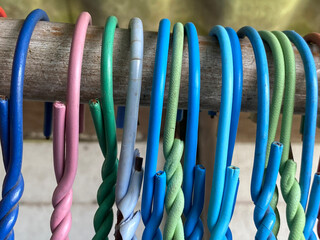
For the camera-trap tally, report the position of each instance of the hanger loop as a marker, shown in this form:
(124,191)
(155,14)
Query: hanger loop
(224,179)
(290,189)
(130,172)
(154,184)
(262,191)
(278,88)
(104,121)
(314,198)
(310,113)
(193,175)
(66,135)
(173,148)
(13,183)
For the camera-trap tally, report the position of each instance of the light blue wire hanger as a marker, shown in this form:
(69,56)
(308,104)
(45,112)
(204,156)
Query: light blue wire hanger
(130,173)
(193,175)
(154,184)
(225,180)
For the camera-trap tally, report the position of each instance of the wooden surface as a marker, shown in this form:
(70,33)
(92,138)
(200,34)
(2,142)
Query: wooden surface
(47,65)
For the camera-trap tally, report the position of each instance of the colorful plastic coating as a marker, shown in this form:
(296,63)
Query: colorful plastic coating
(310,113)
(257,183)
(193,175)
(130,173)
(315,38)
(219,213)
(13,183)
(264,216)
(277,95)
(289,185)
(66,135)
(102,112)
(236,100)
(173,147)
(263,109)
(154,184)
(237,90)
(313,208)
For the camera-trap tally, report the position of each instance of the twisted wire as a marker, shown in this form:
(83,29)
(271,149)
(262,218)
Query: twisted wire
(66,135)
(173,148)
(12,129)
(60,222)
(264,216)
(103,217)
(277,96)
(289,185)
(128,220)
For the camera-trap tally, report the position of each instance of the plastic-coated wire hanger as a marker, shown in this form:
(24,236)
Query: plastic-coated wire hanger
(310,113)
(193,175)
(314,198)
(225,180)
(308,135)
(102,112)
(13,118)
(130,172)
(173,148)
(290,189)
(154,184)
(277,96)
(66,135)
(315,38)
(262,191)
(237,90)
(236,101)
(2,12)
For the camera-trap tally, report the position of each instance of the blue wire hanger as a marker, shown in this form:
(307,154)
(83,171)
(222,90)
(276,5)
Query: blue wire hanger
(12,120)
(225,180)
(154,184)
(130,173)
(193,175)
(262,191)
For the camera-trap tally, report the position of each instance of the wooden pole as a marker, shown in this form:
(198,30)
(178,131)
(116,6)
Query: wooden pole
(48,57)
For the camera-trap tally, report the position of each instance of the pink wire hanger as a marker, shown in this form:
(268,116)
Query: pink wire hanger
(66,135)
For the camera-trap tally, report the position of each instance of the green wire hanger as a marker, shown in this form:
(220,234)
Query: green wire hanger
(104,121)
(173,148)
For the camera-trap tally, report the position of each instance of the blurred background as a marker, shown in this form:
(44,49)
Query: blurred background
(36,208)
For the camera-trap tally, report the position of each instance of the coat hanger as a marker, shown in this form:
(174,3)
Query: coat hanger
(193,175)
(173,147)
(13,183)
(310,114)
(314,38)
(225,180)
(311,75)
(290,189)
(236,102)
(262,191)
(66,135)
(278,88)
(154,184)
(102,112)
(130,172)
